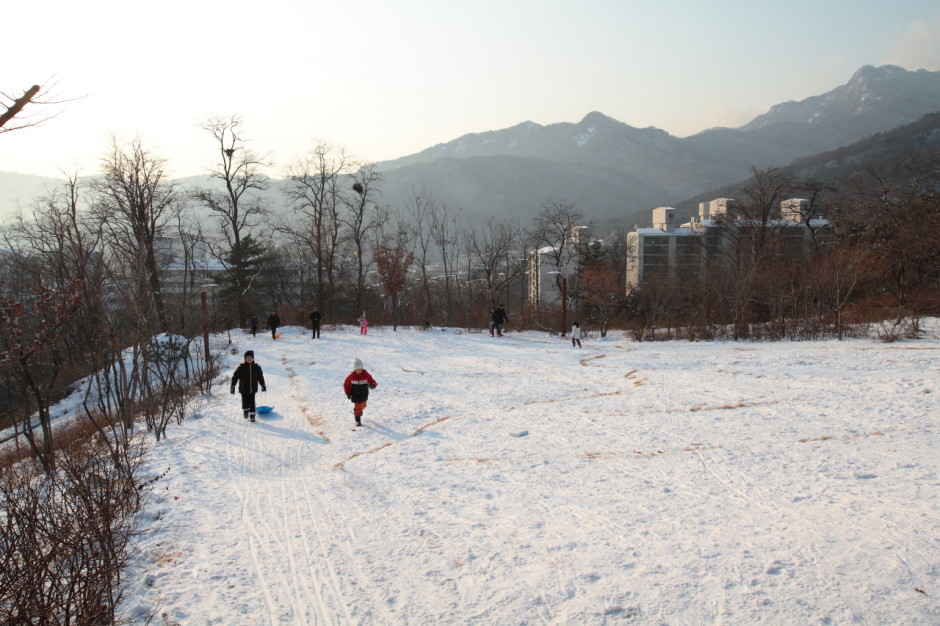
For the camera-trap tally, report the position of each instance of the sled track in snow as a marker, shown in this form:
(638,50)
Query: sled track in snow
(293,572)
(339,555)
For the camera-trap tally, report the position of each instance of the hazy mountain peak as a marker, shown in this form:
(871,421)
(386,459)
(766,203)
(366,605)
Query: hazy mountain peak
(870,72)
(596,117)
(889,95)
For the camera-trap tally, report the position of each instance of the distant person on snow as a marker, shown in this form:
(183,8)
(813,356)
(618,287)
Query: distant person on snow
(492,321)
(363,324)
(357,386)
(315,324)
(500,319)
(248,376)
(576,335)
(254,325)
(273,322)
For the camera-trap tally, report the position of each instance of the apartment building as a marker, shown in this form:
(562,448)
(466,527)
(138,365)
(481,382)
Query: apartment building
(670,249)
(548,265)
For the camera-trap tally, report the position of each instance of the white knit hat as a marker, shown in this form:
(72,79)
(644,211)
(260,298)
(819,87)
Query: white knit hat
(357,365)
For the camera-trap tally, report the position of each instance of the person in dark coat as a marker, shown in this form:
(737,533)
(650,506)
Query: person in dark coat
(315,324)
(248,377)
(273,322)
(357,386)
(500,318)
(254,325)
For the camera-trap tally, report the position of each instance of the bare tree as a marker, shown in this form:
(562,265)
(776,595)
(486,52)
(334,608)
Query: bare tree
(748,251)
(314,194)
(497,259)
(760,206)
(193,263)
(424,209)
(818,195)
(361,217)
(41,102)
(57,245)
(66,537)
(655,302)
(448,241)
(54,243)
(393,257)
(838,273)
(137,206)
(30,340)
(554,230)
(237,207)
(11,107)
(618,249)
(898,218)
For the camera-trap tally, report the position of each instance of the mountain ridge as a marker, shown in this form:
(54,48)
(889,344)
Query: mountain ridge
(609,168)
(671,169)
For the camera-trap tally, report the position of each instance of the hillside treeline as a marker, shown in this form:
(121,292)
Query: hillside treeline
(116,280)
(873,257)
(150,257)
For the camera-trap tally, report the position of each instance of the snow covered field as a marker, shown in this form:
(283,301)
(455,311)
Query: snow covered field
(676,483)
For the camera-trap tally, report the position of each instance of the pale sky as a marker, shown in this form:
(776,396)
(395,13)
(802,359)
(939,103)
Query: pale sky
(386,79)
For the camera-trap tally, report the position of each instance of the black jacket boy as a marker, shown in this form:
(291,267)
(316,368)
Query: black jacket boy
(248,377)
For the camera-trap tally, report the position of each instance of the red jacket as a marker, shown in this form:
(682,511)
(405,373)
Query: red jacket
(357,386)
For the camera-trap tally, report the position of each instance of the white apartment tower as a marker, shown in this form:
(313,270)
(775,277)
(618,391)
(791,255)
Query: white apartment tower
(668,249)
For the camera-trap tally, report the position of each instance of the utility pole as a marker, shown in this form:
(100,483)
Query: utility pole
(564,305)
(205,324)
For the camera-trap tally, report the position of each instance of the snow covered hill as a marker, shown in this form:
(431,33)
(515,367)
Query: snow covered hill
(652,483)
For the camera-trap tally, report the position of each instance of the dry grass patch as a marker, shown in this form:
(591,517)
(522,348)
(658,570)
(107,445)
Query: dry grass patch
(316,420)
(726,407)
(701,446)
(823,438)
(358,454)
(168,556)
(385,445)
(67,434)
(567,399)
(601,455)
(903,348)
(632,375)
(874,433)
(649,454)
(429,424)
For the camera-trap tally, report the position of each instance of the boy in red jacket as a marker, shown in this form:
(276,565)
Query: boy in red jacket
(357,386)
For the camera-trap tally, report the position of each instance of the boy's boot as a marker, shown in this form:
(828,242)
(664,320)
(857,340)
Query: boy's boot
(245,415)
(251,417)
(358,420)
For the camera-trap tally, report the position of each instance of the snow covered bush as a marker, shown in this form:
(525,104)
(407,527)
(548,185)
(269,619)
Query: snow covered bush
(64,535)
